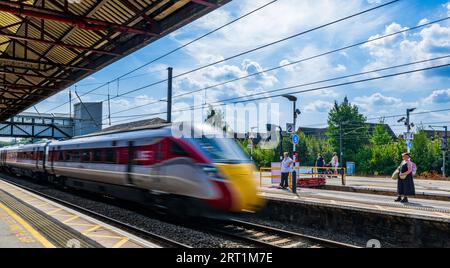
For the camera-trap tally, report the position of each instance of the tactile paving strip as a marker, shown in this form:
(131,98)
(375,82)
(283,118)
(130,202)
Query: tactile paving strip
(58,234)
(106,235)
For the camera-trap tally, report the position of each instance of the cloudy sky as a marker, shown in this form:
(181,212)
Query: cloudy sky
(428,91)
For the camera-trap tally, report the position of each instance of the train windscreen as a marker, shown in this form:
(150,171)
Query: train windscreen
(221,150)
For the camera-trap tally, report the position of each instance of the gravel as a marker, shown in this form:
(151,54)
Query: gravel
(190,236)
(187,236)
(310,231)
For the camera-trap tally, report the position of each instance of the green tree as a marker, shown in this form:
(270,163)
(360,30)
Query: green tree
(345,119)
(380,136)
(315,146)
(425,153)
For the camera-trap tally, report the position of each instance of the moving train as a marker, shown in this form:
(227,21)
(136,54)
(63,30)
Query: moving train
(193,176)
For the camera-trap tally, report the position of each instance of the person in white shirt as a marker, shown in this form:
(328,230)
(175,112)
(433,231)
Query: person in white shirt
(286,168)
(335,163)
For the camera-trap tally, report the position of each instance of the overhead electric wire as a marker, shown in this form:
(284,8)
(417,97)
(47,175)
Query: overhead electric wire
(289,64)
(249,51)
(308,90)
(306,84)
(177,49)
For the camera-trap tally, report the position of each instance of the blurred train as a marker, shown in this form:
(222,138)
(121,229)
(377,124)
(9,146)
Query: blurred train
(193,176)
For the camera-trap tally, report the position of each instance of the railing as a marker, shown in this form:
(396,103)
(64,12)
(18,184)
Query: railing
(306,172)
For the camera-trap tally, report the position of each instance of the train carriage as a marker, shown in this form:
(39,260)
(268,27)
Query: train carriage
(148,165)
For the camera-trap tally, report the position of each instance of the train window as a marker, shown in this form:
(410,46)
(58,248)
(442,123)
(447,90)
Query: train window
(65,156)
(110,156)
(85,156)
(58,155)
(76,156)
(175,149)
(97,156)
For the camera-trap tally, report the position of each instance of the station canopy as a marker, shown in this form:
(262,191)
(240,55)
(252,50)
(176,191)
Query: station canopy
(48,45)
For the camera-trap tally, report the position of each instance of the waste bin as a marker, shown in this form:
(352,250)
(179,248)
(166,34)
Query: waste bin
(351,168)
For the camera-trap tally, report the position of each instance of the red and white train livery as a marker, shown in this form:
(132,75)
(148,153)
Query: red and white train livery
(190,175)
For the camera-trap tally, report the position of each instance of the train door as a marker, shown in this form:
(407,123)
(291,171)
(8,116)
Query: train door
(36,157)
(159,171)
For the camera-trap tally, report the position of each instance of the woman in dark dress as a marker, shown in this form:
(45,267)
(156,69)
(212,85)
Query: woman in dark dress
(405,187)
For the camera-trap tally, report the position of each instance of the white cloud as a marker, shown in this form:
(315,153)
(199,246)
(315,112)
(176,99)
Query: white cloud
(439,97)
(340,68)
(448,8)
(423,21)
(376,102)
(319,106)
(376,47)
(431,42)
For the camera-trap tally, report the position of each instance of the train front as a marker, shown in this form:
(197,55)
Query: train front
(231,171)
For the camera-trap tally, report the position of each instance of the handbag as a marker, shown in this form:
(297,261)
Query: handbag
(396,174)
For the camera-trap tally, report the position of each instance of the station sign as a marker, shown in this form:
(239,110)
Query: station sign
(295,139)
(290,128)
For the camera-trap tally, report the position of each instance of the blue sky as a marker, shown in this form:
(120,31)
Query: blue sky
(427,91)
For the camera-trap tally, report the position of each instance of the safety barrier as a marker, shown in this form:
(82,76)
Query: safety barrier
(306,176)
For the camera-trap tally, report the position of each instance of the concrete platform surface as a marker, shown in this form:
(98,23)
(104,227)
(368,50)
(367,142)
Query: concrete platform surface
(28,220)
(420,208)
(423,187)
(16,233)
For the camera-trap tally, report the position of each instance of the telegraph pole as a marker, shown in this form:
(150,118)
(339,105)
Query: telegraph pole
(444,151)
(444,148)
(340,145)
(169,95)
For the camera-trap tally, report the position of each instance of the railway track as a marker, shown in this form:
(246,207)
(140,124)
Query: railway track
(250,233)
(144,234)
(269,237)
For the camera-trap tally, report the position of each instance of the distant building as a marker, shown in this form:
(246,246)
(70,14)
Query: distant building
(432,134)
(88,118)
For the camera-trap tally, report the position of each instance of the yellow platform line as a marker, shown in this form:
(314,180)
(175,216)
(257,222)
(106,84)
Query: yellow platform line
(41,205)
(71,219)
(27,227)
(121,242)
(54,211)
(81,224)
(91,229)
(106,236)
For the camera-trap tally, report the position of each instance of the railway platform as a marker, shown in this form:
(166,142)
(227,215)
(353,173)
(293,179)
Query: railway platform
(370,217)
(425,189)
(31,221)
(421,208)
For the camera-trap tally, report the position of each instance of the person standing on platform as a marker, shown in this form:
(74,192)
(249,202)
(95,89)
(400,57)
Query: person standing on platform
(286,168)
(405,183)
(320,164)
(335,163)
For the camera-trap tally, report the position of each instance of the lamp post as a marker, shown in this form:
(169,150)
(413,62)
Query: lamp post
(408,125)
(251,138)
(296,112)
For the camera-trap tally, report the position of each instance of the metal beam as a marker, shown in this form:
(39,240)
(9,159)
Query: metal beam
(35,75)
(85,23)
(53,43)
(204,3)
